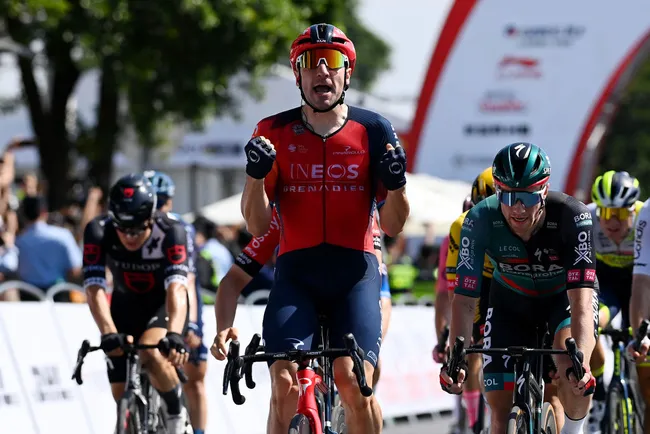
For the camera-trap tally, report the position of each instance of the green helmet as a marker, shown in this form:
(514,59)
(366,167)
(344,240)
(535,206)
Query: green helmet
(521,165)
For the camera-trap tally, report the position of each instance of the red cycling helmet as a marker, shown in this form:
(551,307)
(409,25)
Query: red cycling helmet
(467,203)
(322,36)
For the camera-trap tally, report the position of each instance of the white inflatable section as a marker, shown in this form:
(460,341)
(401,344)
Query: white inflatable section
(523,71)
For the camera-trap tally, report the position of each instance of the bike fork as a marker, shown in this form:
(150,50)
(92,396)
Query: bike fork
(307,382)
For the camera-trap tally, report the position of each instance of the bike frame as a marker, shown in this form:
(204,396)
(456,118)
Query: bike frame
(241,366)
(621,376)
(135,377)
(143,392)
(529,395)
(308,380)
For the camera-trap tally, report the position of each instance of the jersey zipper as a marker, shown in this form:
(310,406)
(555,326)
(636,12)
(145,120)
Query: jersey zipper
(324,190)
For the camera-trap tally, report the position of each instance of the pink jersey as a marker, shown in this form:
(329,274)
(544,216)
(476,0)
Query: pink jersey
(441,284)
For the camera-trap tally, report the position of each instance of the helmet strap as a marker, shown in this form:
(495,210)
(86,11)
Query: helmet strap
(340,101)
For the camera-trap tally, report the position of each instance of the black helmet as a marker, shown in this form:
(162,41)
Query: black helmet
(132,201)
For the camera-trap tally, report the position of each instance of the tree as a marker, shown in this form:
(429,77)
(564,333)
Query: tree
(627,145)
(169,61)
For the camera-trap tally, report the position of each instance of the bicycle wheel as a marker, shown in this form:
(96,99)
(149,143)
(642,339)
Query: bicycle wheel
(338,420)
(549,425)
(617,412)
(300,425)
(517,421)
(128,415)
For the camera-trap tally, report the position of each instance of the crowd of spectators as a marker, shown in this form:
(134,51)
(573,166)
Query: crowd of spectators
(43,248)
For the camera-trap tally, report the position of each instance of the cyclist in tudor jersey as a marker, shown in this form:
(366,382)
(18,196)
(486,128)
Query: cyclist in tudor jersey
(482,187)
(326,166)
(196,366)
(146,252)
(640,303)
(614,209)
(544,276)
(249,263)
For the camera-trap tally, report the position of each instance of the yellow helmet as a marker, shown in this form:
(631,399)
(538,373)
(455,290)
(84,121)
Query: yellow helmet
(483,186)
(615,189)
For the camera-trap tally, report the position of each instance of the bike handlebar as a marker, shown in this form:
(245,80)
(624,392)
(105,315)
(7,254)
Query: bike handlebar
(459,351)
(162,346)
(239,366)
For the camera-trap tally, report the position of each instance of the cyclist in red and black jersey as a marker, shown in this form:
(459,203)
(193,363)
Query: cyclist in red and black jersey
(248,264)
(326,167)
(147,254)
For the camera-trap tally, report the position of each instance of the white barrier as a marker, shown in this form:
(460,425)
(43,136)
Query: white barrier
(39,343)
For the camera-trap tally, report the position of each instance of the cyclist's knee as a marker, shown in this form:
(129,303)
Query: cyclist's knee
(604,315)
(376,374)
(474,363)
(597,362)
(283,386)
(195,373)
(117,389)
(195,387)
(153,356)
(643,373)
(346,381)
(500,402)
(474,372)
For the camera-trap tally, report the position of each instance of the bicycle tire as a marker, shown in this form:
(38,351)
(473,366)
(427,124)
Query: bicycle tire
(549,423)
(618,409)
(300,424)
(517,421)
(128,415)
(338,420)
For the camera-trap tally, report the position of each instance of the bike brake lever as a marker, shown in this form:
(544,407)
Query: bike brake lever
(232,373)
(455,359)
(81,354)
(577,359)
(251,349)
(357,355)
(641,334)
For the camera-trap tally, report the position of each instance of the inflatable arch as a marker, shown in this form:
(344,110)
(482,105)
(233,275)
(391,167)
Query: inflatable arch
(548,72)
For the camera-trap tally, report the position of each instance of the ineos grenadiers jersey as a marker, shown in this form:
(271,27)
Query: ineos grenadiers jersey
(607,251)
(326,190)
(146,272)
(260,250)
(559,256)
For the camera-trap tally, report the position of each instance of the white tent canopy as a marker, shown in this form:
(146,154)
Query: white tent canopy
(433,201)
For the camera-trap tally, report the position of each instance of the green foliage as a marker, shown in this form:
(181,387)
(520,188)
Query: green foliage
(627,146)
(171,61)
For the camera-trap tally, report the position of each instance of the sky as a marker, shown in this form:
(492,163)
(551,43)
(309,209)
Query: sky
(411,28)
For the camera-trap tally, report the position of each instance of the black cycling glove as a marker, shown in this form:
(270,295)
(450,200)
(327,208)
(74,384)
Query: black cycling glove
(392,168)
(111,341)
(260,156)
(176,342)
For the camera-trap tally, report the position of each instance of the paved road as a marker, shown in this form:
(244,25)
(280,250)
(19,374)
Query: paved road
(439,425)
